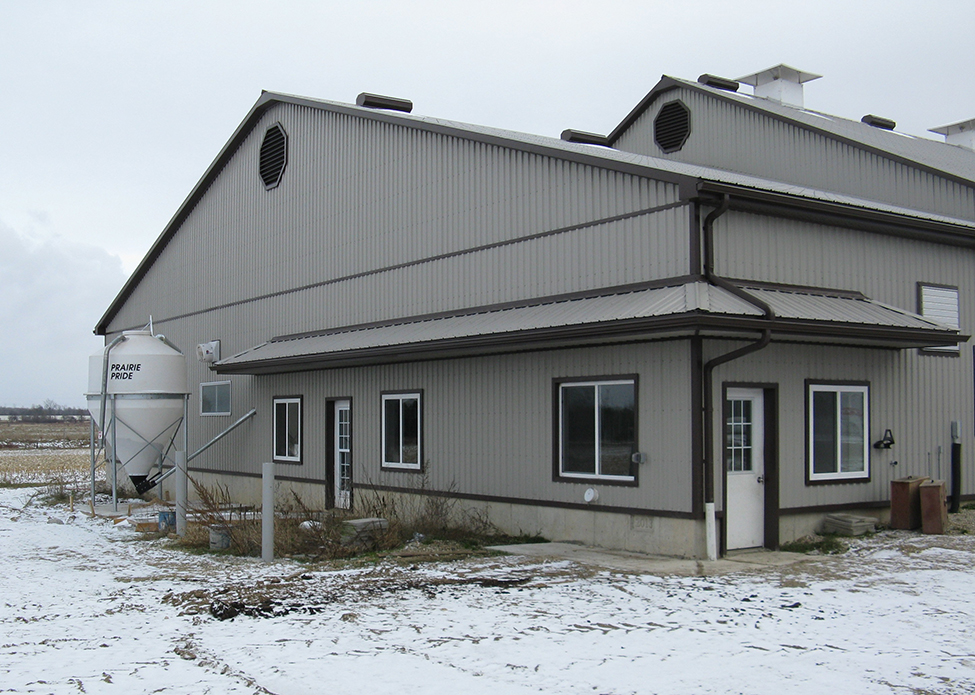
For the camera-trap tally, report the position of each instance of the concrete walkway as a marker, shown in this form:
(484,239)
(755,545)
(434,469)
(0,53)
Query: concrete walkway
(639,563)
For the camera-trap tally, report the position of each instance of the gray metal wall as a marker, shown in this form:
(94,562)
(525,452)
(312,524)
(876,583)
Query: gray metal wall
(915,394)
(916,397)
(487,423)
(359,204)
(363,197)
(730,137)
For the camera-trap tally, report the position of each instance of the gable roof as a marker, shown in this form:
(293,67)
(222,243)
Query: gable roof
(950,161)
(690,177)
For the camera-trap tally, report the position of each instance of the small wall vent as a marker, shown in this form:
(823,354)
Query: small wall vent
(274,156)
(672,126)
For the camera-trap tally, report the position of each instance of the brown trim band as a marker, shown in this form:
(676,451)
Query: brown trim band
(474,497)
(830,213)
(530,502)
(827,508)
(530,339)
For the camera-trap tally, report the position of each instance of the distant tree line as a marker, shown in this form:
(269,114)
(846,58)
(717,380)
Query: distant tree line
(49,412)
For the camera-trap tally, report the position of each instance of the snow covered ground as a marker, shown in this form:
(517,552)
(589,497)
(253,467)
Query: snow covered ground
(86,607)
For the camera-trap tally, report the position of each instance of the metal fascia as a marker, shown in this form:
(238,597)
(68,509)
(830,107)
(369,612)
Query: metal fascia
(839,214)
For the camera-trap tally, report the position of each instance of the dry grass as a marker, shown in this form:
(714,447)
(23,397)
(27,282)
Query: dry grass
(38,435)
(63,470)
(48,456)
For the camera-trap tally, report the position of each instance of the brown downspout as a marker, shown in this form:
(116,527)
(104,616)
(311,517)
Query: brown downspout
(708,369)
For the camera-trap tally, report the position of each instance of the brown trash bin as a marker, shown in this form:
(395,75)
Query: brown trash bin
(934,507)
(905,502)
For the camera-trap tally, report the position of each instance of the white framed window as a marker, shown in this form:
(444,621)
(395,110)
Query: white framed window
(839,419)
(215,398)
(940,303)
(287,429)
(597,430)
(402,431)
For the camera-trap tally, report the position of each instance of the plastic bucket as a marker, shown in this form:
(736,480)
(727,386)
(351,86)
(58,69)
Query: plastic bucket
(219,538)
(167,522)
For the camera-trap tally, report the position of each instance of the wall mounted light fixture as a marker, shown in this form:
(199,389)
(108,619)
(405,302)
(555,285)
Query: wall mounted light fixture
(886,442)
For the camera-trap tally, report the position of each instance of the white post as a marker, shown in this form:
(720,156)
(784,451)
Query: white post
(181,493)
(267,512)
(709,531)
(114,455)
(91,445)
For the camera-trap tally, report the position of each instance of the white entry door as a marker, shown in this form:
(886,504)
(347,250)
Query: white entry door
(744,456)
(343,454)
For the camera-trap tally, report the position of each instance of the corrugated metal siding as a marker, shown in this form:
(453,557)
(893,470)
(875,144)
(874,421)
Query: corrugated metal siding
(487,422)
(359,196)
(883,268)
(915,396)
(730,137)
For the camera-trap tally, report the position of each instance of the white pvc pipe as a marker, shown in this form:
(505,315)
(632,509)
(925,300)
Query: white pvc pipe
(267,512)
(181,493)
(709,531)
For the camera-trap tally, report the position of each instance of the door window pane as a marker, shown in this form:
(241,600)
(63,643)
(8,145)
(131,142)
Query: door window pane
(738,436)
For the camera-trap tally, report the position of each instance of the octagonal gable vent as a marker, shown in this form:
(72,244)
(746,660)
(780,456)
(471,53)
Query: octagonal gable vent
(274,155)
(672,126)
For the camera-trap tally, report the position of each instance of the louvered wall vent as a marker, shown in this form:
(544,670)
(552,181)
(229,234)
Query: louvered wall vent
(672,126)
(274,155)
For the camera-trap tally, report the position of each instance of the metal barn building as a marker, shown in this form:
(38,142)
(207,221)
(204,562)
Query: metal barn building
(731,313)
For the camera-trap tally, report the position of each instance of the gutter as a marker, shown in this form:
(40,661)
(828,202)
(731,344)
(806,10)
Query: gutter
(707,370)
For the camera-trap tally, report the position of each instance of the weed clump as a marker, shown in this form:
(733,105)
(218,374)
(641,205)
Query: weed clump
(376,523)
(827,544)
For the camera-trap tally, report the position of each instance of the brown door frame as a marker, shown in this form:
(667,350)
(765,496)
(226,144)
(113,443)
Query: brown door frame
(770,413)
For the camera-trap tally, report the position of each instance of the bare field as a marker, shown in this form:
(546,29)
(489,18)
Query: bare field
(63,470)
(35,435)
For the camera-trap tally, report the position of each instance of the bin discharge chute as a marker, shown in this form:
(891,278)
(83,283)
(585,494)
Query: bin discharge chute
(144,393)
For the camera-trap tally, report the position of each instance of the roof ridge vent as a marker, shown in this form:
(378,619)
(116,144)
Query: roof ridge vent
(961,133)
(581,136)
(709,80)
(378,101)
(782,83)
(879,122)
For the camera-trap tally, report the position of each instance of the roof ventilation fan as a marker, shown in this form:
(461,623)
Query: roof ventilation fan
(208,353)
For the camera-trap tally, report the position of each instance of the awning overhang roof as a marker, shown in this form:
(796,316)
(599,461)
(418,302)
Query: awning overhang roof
(646,312)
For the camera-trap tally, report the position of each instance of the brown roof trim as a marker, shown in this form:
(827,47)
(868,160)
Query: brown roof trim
(599,333)
(668,84)
(839,214)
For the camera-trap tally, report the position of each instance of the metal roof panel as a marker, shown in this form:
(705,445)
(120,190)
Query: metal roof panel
(792,306)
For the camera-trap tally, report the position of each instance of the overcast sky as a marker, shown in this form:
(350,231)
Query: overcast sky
(112,111)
